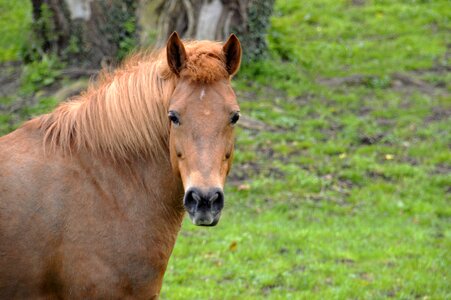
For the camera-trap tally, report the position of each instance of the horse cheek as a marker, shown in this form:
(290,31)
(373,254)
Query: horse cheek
(174,159)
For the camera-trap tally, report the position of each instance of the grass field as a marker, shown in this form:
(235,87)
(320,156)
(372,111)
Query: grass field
(342,177)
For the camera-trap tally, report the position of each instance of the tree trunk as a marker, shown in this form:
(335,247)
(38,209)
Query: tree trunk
(209,19)
(84,32)
(92,32)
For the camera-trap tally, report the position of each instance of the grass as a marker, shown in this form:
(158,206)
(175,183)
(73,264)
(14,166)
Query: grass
(15,19)
(346,195)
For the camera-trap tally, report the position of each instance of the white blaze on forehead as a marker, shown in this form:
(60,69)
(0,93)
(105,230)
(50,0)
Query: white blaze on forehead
(202,94)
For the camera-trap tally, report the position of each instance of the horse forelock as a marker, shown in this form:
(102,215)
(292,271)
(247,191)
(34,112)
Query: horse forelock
(124,114)
(205,62)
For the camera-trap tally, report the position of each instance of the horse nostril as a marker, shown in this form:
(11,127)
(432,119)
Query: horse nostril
(196,199)
(214,197)
(192,199)
(217,200)
(195,196)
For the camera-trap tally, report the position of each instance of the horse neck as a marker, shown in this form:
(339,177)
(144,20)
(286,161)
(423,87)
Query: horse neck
(156,182)
(145,185)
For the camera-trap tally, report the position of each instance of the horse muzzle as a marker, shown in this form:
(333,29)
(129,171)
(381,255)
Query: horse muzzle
(204,205)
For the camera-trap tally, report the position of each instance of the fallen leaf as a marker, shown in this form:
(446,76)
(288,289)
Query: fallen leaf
(389,156)
(233,245)
(244,187)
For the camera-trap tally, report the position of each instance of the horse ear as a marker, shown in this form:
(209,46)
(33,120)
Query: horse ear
(232,51)
(176,54)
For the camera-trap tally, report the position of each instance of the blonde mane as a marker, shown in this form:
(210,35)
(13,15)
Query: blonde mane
(124,114)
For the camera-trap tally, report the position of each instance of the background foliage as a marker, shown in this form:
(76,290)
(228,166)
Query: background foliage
(341,182)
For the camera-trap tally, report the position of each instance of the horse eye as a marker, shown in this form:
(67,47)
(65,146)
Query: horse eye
(173,116)
(235,117)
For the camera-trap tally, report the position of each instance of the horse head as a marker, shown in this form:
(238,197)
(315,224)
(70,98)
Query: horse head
(203,112)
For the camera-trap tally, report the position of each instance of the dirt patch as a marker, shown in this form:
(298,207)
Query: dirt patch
(243,172)
(378,175)
(358,2)
(442,169)
(304,99)
(77,73)
(403,82)
(406,82)
(409,160)
(247,122)
(438,114)
(342,186)
(345,261)
(352,80)
(10,83)
(10,78)
(18,104)
(371,139)
(364,111)
(331,130)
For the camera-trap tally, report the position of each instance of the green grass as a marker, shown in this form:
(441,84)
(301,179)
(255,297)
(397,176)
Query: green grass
(15,19)
(347,194)
(323,214)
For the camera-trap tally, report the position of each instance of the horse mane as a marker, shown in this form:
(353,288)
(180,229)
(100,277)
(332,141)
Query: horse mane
(124,114)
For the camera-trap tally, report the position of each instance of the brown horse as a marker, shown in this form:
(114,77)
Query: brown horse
(92,195)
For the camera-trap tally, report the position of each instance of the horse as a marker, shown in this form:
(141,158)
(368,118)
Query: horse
(93,194)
